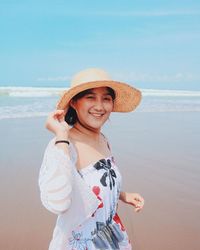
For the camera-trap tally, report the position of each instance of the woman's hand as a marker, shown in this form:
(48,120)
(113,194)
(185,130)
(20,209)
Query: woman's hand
(133,199)
(56,123)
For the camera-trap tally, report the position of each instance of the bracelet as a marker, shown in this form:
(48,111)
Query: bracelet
(62,141)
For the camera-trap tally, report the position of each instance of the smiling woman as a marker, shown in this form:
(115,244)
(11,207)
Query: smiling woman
(93,108)
(71,115)
(79,179)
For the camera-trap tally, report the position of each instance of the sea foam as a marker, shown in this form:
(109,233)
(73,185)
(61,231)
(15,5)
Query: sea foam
(20,102)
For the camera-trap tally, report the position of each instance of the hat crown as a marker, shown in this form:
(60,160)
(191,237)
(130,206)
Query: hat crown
(90,75)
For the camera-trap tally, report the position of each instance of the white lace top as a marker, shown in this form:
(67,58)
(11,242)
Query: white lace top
(85,201)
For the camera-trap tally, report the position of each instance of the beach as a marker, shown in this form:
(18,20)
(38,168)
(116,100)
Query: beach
(158,156)
(47,49)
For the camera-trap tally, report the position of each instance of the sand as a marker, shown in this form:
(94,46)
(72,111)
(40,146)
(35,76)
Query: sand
(158,155)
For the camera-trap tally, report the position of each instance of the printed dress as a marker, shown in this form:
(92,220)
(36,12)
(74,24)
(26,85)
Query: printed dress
(103,230)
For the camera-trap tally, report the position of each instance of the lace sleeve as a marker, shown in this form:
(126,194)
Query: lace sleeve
(56,179)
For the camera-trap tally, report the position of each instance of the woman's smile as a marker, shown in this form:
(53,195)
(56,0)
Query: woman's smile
(94,108)
(96,115)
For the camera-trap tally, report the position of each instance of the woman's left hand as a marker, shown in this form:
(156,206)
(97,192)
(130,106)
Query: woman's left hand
(133,199)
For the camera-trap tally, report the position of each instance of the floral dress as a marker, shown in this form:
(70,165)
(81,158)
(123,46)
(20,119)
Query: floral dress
(103,230)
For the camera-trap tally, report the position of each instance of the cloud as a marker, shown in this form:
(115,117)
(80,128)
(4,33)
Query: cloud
(54,79)
(137,77)
(157,78)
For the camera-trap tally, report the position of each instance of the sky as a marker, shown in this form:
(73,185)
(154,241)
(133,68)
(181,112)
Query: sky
(149,44)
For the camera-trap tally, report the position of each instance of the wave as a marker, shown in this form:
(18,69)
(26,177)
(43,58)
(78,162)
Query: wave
(24,115)
(30,91)
(140,110)
(40,108)
(53,91)
(34,106)
(170,93)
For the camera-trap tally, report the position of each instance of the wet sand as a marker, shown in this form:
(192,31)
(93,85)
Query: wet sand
(158,154)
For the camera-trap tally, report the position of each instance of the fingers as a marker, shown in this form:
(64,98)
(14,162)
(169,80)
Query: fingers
(58,112)
(62,111)
(55,115)
(138,202)
(138,197)
(139,205)
(59,115)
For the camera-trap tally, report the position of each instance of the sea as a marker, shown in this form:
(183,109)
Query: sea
(21,102)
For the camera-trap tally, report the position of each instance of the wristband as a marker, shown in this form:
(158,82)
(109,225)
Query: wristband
(62,141)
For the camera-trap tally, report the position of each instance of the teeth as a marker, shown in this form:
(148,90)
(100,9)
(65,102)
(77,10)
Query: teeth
(97,115)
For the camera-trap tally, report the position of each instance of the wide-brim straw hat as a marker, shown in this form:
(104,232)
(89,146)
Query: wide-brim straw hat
(127,97)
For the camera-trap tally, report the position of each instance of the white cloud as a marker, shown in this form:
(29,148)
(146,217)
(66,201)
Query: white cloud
(157,78)
(137,77)
(54,79)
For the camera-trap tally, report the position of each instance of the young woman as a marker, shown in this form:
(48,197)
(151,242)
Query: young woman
(79,179)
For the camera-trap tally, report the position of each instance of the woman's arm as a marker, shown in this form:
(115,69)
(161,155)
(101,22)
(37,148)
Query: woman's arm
(57,125)
(133,199)
(56,175)
(56,179)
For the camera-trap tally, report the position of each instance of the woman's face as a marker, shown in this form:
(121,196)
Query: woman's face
(94,108)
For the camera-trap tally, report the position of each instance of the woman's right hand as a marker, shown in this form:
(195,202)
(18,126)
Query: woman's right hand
(56,123)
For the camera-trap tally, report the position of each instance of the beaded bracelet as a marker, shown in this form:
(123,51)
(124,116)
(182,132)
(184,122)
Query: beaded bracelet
(62,141)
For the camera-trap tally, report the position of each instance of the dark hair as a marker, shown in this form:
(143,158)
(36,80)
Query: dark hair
(71,116)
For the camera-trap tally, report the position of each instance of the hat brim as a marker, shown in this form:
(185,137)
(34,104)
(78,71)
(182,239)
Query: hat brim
(127,98)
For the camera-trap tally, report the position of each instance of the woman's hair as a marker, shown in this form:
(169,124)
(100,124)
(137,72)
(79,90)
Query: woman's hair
(71,116)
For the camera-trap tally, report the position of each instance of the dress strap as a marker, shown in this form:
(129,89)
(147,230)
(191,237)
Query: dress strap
(108,145)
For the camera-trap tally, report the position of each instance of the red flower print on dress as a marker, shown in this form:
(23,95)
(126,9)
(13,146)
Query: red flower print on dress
(96,190)
(118,221)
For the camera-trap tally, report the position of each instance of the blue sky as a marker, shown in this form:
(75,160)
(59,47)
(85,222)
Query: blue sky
(150,44)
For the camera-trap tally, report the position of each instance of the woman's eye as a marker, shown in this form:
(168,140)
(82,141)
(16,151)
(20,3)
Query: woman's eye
(107,98)
(89,96)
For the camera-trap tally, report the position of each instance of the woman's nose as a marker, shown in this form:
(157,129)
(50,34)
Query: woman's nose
(98,105)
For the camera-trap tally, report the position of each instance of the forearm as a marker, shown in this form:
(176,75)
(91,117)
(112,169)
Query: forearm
(63,146)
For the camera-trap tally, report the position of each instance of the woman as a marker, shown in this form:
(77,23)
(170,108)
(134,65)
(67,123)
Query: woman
(79,179)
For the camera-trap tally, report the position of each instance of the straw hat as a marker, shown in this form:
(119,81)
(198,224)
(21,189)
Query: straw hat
(127,97)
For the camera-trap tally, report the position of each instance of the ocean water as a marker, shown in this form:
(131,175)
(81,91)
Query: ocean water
(20,102)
